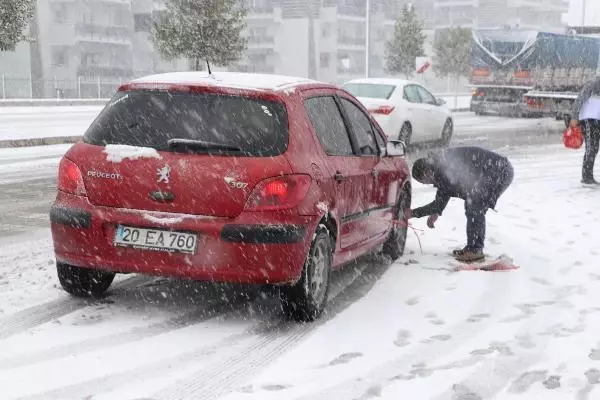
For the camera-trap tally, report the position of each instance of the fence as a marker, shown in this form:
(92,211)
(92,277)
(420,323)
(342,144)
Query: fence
(81,88)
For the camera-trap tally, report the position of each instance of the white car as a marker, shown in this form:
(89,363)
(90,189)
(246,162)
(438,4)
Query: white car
(404,109)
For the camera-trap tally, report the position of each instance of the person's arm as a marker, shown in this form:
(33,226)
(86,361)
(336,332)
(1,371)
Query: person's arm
(437,206)
(584,95)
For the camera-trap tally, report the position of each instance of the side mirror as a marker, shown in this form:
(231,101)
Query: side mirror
(440,102)
(396,148)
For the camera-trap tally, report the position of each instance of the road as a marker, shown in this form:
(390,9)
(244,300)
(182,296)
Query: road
(415,327)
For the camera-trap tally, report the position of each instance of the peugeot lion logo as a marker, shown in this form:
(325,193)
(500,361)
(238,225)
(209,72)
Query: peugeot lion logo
(163,174)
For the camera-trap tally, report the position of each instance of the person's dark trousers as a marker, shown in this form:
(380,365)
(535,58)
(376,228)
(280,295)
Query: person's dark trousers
(591,130)
(475,212)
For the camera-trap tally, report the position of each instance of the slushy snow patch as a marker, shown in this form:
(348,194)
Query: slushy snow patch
(119,152)
(162,221)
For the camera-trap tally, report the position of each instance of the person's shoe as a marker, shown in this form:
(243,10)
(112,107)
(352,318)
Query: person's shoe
(589,181)
(470,256)
(458,252)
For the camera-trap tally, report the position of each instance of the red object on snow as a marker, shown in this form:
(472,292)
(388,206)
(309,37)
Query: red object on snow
(573,137)
(502,263)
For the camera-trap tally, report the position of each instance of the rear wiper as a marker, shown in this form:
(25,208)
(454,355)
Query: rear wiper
(191,144)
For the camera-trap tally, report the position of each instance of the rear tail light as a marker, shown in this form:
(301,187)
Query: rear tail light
(70,179)
(385,110)
(534,103)
(282,192)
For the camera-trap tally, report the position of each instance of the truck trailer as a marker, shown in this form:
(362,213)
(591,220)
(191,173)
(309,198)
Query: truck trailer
(530,73)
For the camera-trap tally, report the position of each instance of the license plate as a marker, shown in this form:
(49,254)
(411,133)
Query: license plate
(155,239)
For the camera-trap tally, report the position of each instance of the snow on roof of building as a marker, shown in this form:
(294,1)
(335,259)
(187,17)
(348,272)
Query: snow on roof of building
(228,79)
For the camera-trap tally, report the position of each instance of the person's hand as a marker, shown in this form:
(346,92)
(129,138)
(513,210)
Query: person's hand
(574,123)
(407,213)
(431,220)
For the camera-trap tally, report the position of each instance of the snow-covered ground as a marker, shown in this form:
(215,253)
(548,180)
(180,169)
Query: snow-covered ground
(45,122)
(28,163)
(413,329)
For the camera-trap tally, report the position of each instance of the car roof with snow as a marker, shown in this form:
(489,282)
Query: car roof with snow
(236,80)
(383,81)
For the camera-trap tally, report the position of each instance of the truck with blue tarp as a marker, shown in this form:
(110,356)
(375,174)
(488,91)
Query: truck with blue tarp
(525,72)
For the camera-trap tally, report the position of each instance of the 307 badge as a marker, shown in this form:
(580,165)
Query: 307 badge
(155,239)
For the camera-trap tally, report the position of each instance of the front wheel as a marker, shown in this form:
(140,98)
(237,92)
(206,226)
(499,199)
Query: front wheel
(84,282)
(406,134)
(447,132)
(306,300)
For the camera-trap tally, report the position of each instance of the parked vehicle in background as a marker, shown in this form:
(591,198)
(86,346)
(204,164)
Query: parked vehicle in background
(241,178)
(529,73)
(405,110)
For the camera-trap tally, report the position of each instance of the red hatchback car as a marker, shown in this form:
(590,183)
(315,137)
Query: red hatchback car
(243,178)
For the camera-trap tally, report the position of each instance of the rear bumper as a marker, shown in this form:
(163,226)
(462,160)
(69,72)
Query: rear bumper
(252,248)
(502,108)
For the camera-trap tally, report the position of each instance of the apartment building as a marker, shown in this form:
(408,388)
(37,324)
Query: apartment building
(87,47)
(323,40)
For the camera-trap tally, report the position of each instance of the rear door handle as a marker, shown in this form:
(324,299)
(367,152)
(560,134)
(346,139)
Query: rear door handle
(339,177)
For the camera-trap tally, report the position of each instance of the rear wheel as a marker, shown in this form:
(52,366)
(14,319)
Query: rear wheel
(396,243)
(406,133)
(447,132)
(84,282)
(306,300)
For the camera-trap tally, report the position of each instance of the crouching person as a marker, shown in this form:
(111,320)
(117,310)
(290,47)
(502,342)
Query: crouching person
(477,176)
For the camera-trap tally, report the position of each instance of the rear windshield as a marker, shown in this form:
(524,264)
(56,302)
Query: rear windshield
(370,90)
(243,126)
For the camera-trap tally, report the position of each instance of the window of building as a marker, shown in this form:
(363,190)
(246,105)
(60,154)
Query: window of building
(60,13)
(60,56)
(142,22)
(325,60)
(325,30)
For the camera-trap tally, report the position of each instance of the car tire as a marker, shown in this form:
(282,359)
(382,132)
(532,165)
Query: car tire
(447,132)
(396,242)
(406,133)
(84,282)
(306,300)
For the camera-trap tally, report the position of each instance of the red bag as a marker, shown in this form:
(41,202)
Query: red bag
(573,137)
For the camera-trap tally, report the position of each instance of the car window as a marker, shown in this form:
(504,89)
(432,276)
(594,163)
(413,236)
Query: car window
(426,97)
(228,124)
(411,94)
(379,137)
(361,125)
(370,90)
(327,122)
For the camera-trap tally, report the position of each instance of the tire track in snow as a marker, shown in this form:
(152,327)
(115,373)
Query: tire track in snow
(261,334)
(217,380)
(138,333)
(489,303)
(34,316)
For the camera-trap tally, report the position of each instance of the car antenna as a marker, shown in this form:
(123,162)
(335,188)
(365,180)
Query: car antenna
(209,71)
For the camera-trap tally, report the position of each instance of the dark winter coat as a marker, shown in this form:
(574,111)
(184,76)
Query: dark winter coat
(470,173)
(591,89)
